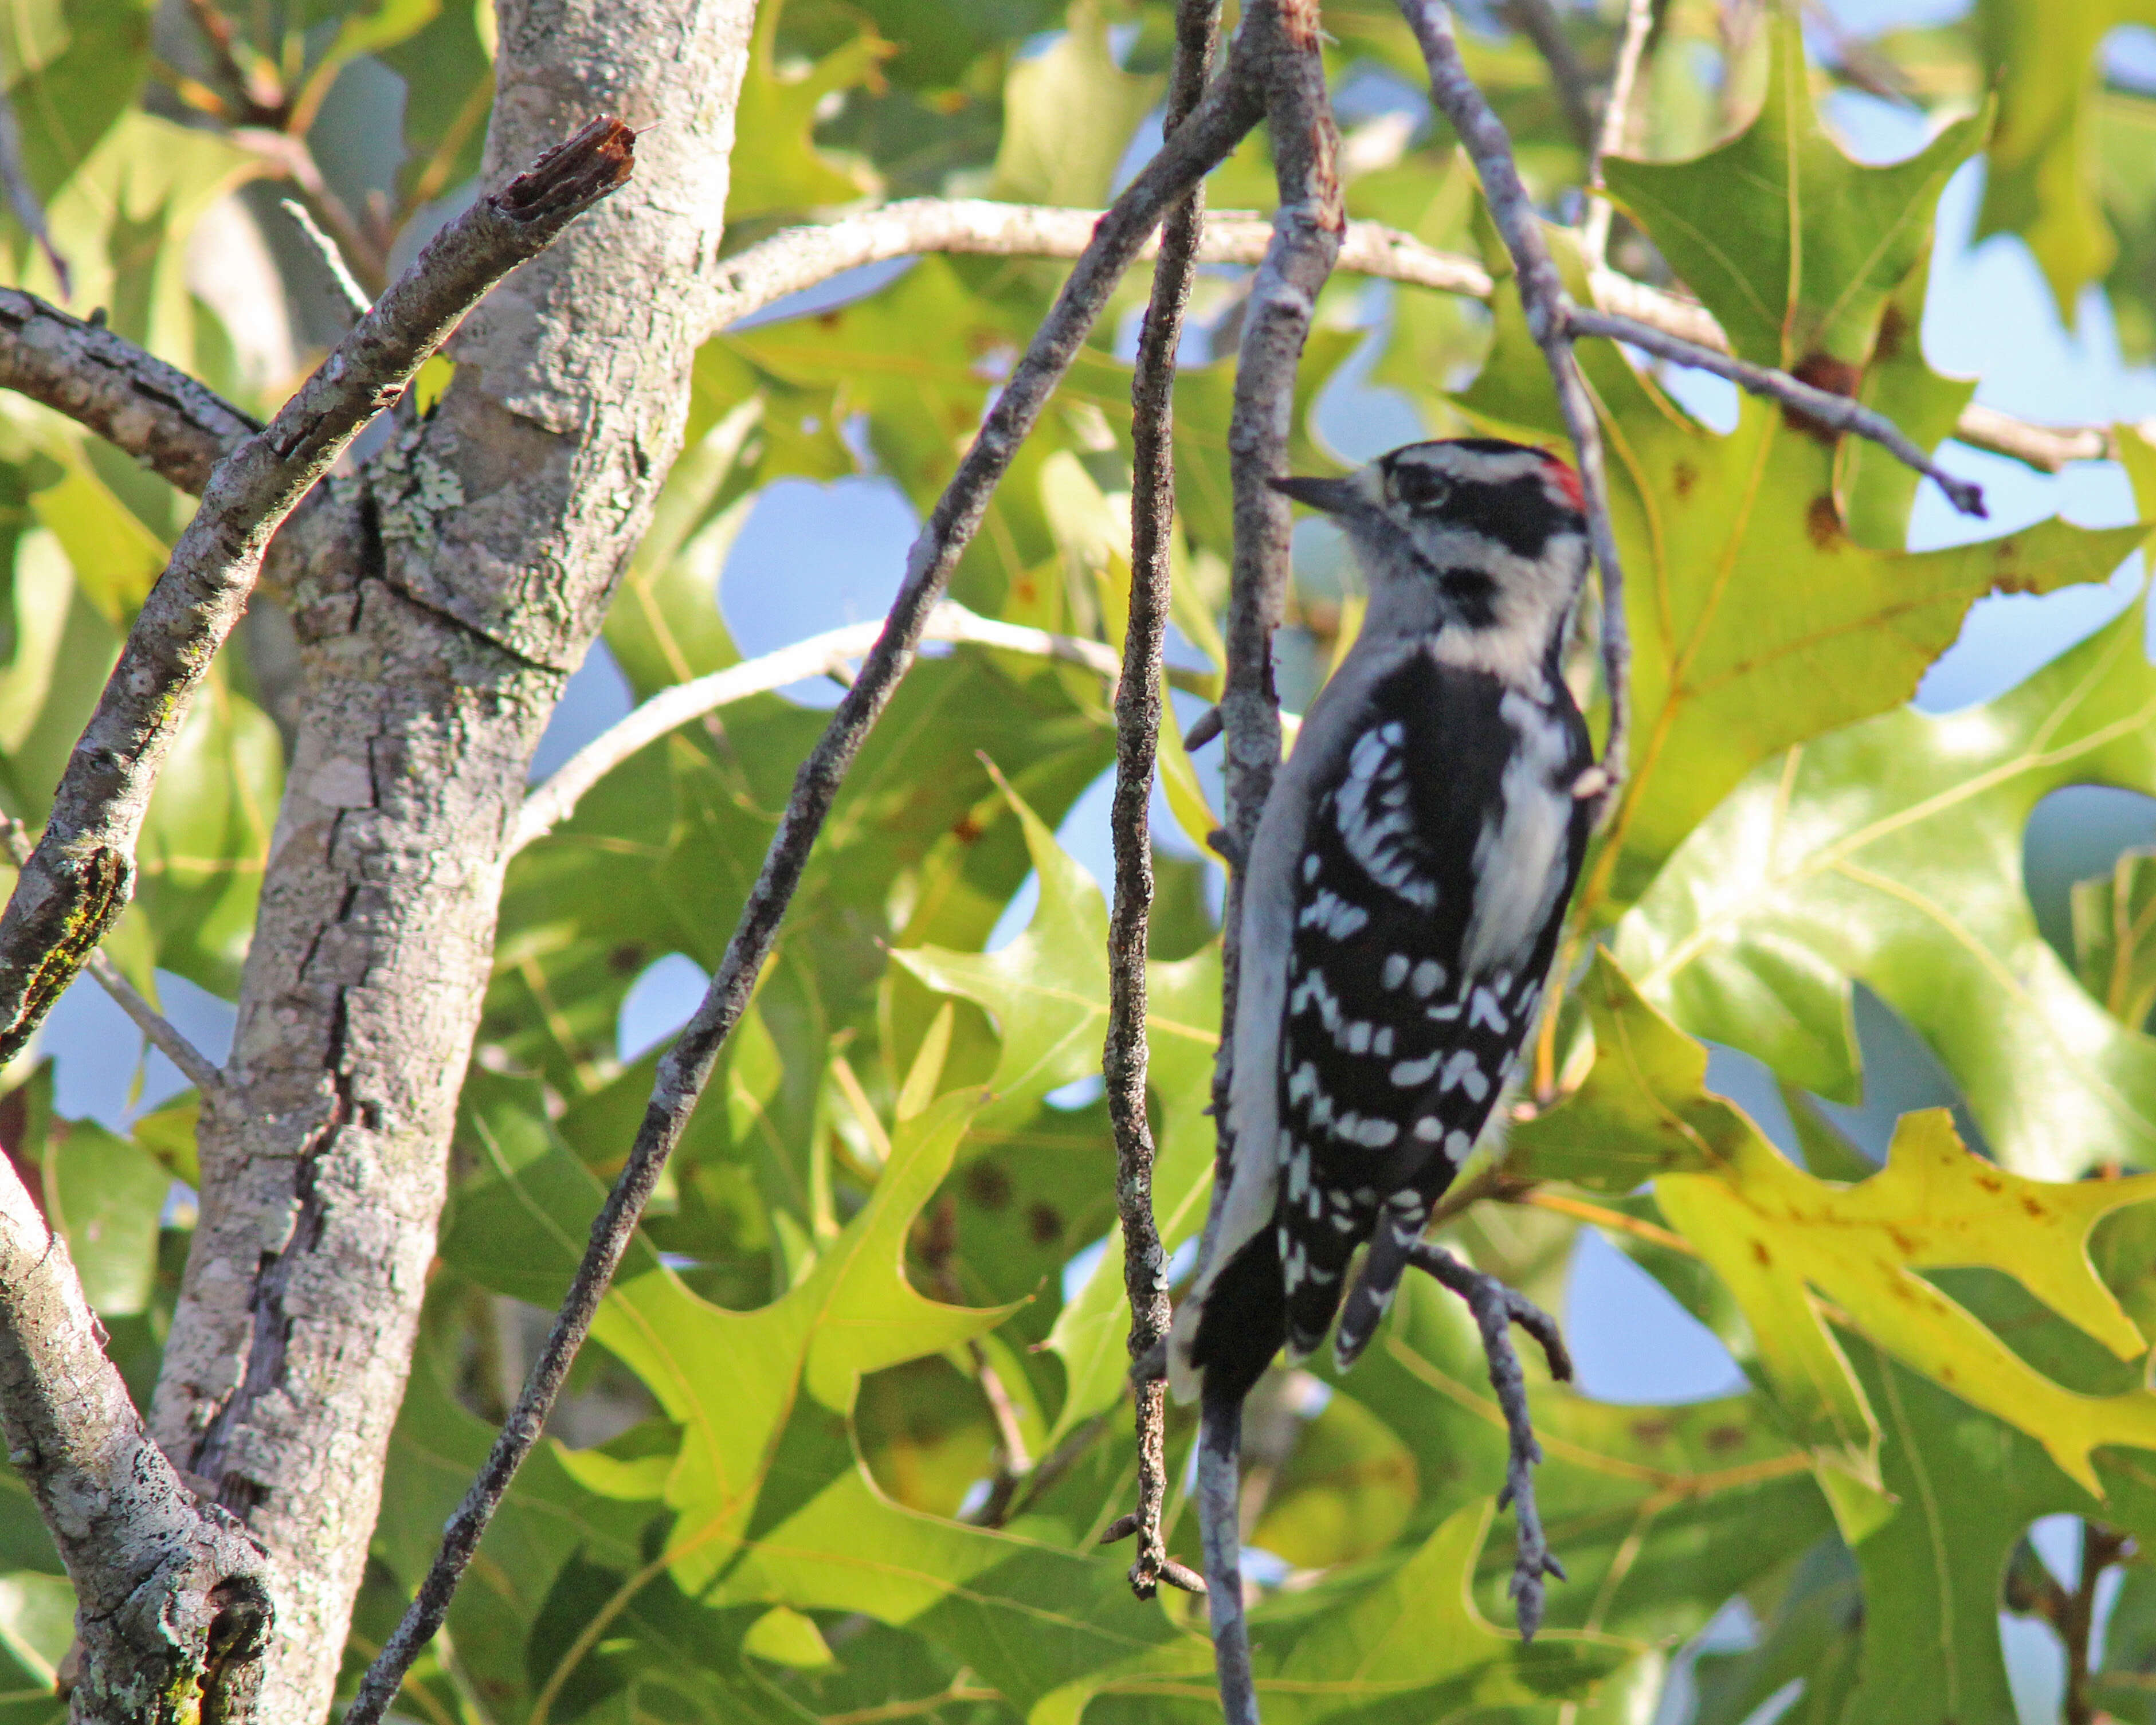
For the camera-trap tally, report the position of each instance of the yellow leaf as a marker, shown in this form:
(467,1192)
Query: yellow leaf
(1779,1237)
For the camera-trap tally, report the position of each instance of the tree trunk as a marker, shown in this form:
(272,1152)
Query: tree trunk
(436,636)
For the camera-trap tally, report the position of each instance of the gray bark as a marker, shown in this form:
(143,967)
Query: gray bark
(170,1604)
(489,540)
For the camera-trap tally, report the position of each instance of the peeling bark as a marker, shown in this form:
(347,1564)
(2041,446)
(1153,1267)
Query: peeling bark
(487,541)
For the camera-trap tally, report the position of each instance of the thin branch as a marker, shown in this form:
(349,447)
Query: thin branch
(1616,122)
(163,1585)
(1220,1522)
(164,418)
(826,655)
(798,258)
(1575,92)
(348,289)
(1138,710)
(153,411)
(81,874)
(1822,408)
(1496,1309)
(1276,318)
(1230,108)
(22,196)
(288,154)
(2048,448)
(1542,295)
(200,1070)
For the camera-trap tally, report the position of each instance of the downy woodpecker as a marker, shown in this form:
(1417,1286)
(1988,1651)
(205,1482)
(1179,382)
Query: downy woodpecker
(1402,900)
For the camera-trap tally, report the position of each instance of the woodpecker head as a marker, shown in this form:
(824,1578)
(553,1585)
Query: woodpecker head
(1474,534)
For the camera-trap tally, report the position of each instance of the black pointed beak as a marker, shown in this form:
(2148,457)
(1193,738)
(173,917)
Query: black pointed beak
(1335,497)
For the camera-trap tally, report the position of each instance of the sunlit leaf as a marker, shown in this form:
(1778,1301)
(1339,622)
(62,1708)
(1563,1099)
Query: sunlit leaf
(1890,853)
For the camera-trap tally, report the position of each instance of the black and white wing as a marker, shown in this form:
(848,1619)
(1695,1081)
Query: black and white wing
(1434,870)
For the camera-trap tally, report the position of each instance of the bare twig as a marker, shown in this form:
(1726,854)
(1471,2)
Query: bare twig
(288,154)
(1230,108)
(22,196)
(2048,448)
(159,414)
(826,655)
(1616,121)
(798,258)
(1496,1309)
(1542,295)
(165,1035)
(1220,1519)
(79,879)
(1575,90)
(348,289)
(153,411)
(1820,408)
(1276,320)
(2101,1548)
(200,1072)
(1138,709)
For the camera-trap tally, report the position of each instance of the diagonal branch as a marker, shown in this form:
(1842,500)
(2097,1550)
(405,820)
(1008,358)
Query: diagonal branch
(1230,108)
(81,874)
(826,655)
(1821,407)
(1542,295)
(1138,711)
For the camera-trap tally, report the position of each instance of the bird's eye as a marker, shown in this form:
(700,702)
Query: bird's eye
(1420,489)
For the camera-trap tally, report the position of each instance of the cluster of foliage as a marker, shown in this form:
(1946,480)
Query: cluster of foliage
(874,1212)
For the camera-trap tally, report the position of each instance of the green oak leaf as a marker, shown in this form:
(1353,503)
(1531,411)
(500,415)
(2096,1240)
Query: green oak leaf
(1889,853)
(1048,994)
(779,167)
(1408,1645)
(1757,620)
(1069,113)
(1642,1504)
(1644,1108)
(1047,989)
(2041,179)
(1793,246)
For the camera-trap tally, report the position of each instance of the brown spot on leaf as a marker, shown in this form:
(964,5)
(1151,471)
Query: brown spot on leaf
(2033,1208)
(1683,477)
(1650,1432)
(1893,330)
(1822,371)
(989,1186)
(1759,1251)
(936,1234)
(1722,1438)
(625,959)
(967,829)
(1822,523)
(1043,1224)
(1991,1183)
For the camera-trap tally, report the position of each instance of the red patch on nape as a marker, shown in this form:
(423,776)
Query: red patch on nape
(1563,476)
